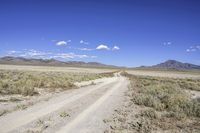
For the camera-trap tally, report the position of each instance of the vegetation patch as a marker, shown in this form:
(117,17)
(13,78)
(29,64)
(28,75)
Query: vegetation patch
(2,112)
(27,82)
(159,105)
(164,95)
(64,114)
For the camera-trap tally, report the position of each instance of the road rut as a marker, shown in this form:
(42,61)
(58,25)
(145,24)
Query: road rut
(100,101)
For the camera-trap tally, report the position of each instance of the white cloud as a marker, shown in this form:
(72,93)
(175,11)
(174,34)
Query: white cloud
(29,53)
(34,53)
(115,48)
(61,43)
(103,47)
(82,56)
(69,56)
(167,43)
(85,49)
(12,52)
(193,48)
(84,42)
(46,55)
(63,55)
(187,50)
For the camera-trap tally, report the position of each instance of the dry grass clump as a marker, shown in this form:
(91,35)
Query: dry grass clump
(150,113)
(166,97)
(64,114)
(154,104)
(190,84)
(26,83)
(163,95)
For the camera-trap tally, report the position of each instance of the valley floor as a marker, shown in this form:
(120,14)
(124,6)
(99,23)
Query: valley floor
(79,110)
(121,103)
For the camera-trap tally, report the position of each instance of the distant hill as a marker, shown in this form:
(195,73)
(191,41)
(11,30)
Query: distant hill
(9,60)
(173,64)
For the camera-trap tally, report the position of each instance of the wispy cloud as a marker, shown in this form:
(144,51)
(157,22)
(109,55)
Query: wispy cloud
(33,54)
(70,56)
(84,42)
(93,56)
(13,52)
(85,49)
(102,47)
(167,43)
(62,43)
(47,55)
(115,48)
(193,48)
(54,40)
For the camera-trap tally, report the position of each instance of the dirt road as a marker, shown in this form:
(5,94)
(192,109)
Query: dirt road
(80,110)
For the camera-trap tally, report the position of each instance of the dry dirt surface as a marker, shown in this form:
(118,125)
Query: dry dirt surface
(169,74)
(80,110)
(54,69)
(158,105)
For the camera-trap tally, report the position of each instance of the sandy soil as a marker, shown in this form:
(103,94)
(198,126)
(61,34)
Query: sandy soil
(10,103)
(80,110)
(54,69)
(169,74)
(193,94)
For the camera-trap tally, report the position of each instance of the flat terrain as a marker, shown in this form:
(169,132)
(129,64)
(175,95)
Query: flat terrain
(170,74)
(80,110)
(35,99)
(158,105)
(54,69)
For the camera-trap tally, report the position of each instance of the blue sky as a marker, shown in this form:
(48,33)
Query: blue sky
(118,32)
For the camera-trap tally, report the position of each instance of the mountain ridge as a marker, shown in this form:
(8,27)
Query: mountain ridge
(169,64)
(173,65)
(10,60)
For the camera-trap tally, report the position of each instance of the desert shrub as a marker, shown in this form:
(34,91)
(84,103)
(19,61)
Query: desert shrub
(64,114)
(25,83)
(164,106)
(189,84)
(150,113)
(175,115)
(164,95)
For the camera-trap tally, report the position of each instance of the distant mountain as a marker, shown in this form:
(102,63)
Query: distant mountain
(173,64)
(50,62)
